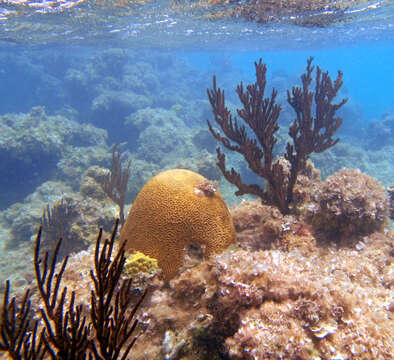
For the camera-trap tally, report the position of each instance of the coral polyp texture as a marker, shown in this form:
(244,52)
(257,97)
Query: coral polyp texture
(276,293)
(138,263)
(350,203)
(171,212)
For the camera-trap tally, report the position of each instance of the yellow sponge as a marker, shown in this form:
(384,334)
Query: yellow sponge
(138,263)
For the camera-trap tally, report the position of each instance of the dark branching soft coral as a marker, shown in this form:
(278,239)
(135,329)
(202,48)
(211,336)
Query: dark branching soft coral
(57,222)
(65,332)
(115,183)
(312,131)
(390,191)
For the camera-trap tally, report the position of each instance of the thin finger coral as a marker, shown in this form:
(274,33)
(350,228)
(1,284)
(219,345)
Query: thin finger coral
(177,208)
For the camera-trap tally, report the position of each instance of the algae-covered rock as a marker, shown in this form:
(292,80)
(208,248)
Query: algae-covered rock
(88,210)
(37,145)
(350,203)
(23,218)
(381,132)
(160,136)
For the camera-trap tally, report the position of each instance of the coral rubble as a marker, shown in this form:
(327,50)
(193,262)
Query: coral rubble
(281,292)
(278,292)
(299,302)
(310,279)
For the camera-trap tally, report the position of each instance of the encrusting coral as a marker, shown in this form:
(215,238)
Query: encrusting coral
(175,209)
(306,301)
(311,131)
(276,293)
(139,263)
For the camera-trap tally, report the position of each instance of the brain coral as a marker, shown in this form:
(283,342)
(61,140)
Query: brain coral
(177,208)
(351,203)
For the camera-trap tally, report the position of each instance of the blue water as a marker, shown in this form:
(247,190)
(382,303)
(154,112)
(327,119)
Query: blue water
(163,59)
(368,70)
(106,65)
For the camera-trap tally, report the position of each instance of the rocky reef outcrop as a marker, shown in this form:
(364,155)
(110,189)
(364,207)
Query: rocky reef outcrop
(281,292)
(44,147)
(350,203)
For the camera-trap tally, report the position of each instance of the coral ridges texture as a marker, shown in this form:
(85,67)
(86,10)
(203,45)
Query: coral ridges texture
(170,213)
(282,292)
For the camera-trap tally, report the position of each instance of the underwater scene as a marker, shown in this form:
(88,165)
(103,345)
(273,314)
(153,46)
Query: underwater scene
(197,179)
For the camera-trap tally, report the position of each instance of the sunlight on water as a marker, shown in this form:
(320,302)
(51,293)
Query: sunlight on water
(183,25)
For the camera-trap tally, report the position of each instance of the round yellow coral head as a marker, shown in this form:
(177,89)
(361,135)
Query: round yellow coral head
(174,209)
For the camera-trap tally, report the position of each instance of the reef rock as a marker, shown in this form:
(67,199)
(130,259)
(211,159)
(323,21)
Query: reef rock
(350,203)
(38,145)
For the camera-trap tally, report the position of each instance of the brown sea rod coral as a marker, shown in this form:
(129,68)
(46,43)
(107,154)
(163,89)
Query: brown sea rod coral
(350,203)
(57,222)
(65,330)
(311,131)
(115,183)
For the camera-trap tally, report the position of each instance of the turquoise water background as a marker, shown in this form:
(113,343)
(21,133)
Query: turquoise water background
(368,70)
